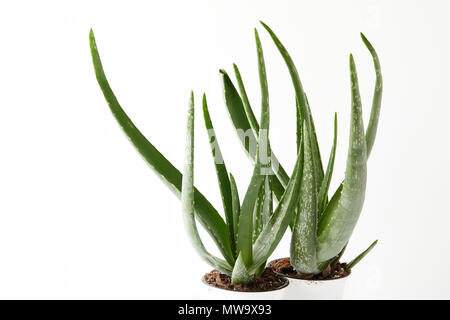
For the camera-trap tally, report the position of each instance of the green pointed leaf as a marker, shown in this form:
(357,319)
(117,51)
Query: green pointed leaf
(336,259)
(247,107)
(318,167)
(238,116)
(257,214)
(323,191)
(299,123)
(262,168)
(281,175)
(267,209)
(340,217)
(376,102)
(236,208)
(352,263)
(299,135)
(206,213)
(221,171)
(246,134)
(240,273)
(304,234)
(301,99)
(187,198)
(279,221)
(245,229)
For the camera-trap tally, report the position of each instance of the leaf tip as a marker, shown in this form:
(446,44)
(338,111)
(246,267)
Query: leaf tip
(91,37)
(364,39)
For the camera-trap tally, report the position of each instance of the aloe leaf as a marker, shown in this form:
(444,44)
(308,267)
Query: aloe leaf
(263,208)
(240,272)
(238,116)
(221,171)
(323,191)
(315,148)
(299,123)
(280,173)
(267,209)
(206,213)
(299,134)
(265,118)
(187,198)
(274,229)
(236,208)
(339,219)
(262,167)
(257,213)
(247,107)
(352,263)
(376,102)
(245,229)
(336,259)
(245,132)
(304,234)
(300,95)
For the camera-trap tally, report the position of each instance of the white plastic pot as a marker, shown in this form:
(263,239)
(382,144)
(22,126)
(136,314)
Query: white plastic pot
(299,289)
(214,293)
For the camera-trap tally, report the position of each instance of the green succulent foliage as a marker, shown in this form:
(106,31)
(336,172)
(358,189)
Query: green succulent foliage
(251,230)
(321,226)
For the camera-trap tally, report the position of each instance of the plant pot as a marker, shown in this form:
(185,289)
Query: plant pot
(301,289)
(315,289)
(215,293)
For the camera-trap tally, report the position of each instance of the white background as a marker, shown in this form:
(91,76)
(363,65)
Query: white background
(83,216)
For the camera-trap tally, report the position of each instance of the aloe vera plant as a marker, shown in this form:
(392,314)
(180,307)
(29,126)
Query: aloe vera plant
(321,227)
(251,229)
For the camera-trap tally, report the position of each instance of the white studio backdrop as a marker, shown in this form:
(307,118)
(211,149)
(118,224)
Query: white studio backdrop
(83,216)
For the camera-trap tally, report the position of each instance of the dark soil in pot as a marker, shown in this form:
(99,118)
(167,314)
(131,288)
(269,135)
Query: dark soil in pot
(284,267)
(268,281)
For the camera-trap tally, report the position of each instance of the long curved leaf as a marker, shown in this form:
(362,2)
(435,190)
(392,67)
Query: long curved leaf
(187,197)
(304,235)
(236,209)
(267,209)
(221,172)
(246,134)
(262,167)
(245,230)
(352,263)
(376,105)
(280,173)
(206,213)
(376,102)
(279,221)
(339,220)
(257,214)
(301,99)
(247,107)
(323,191)
(315,148)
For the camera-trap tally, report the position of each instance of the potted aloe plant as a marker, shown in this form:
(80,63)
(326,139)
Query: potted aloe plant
(321,227)
(252,228)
